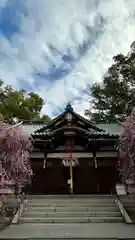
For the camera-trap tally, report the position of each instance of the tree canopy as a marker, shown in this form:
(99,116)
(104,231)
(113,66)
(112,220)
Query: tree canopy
(114,98)
(15,143)
(18,105)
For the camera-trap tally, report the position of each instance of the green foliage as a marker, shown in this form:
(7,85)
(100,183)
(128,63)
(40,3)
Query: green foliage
(45,118)
(19,105)
(114,98)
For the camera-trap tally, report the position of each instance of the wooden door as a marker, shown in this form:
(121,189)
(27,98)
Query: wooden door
(55,182)
(85,180)
(37,181)
(107,179)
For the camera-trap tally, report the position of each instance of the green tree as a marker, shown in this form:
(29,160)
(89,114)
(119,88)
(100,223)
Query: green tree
(18,105)
(45,118)
(114,98)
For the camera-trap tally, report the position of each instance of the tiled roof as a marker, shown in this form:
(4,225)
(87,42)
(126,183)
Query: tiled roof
(30,127)
(111,128)
(108,128)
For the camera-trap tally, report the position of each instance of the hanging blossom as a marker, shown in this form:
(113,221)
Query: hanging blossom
(15,145)
(127,150)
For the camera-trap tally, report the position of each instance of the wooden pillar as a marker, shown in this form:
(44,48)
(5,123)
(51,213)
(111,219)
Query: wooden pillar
(46,145)
(45,160)
(96,168)
(71,169)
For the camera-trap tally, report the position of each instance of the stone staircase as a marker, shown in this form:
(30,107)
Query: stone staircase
(71,209)
(129,205)
(70,217)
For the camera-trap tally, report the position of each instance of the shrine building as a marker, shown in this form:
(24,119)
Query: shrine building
(74,155)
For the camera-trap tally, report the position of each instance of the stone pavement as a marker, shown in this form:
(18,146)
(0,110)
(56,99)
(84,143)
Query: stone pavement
(77,231)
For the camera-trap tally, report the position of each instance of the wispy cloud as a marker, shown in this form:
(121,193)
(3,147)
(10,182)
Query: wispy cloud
(3,3)
(57,48)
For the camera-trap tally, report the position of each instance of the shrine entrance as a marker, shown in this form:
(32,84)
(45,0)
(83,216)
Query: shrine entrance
(55,179)
(88,181)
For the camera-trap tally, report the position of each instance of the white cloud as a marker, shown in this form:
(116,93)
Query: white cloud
(60,23)
(3,4)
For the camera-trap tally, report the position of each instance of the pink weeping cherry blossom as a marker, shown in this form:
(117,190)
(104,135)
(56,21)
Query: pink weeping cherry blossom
(15,147)
(127,151)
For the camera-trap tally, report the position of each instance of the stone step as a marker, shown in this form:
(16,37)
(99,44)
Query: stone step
(128,200)
(78,200)
(95,196)
(131,209)
(71,220)
(71,214)
(67,204)
(132,214)
(73,209)
(129,204)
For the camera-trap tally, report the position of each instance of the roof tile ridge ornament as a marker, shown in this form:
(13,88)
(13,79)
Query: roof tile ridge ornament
(69,107)
(69,116)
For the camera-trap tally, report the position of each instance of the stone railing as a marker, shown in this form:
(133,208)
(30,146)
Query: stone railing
(8,208)
(23,202)
(121,191)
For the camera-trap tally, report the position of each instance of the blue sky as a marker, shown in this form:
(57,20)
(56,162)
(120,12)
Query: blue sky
(57,48)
